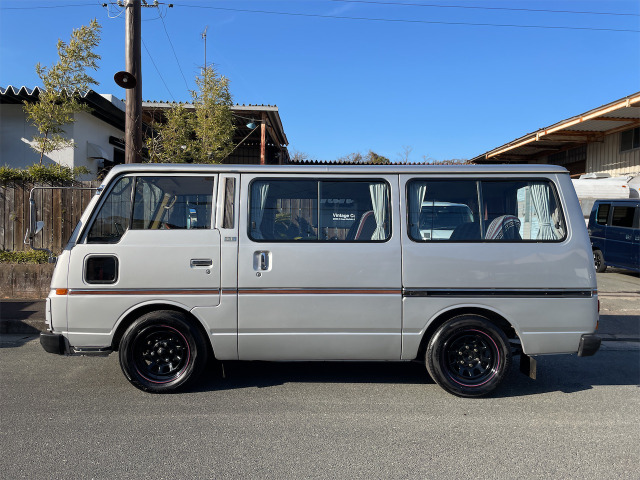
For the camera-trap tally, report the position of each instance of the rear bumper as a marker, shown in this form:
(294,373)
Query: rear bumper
(589,344)
(53,343)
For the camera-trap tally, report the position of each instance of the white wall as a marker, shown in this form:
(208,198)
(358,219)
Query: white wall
(16,135)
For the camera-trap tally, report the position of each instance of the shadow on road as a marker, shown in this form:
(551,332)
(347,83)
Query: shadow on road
(557,373)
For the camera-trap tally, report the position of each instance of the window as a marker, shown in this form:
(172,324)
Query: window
(630,139)
(622,216)
(169,203)
(325,210)
(603,213)
(101,269)
(487,210)
(113,218)
(229,197)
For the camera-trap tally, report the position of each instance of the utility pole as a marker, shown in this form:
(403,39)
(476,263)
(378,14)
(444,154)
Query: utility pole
(133,119)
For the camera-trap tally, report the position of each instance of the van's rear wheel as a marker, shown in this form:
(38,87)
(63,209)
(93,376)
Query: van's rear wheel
(468,356)
(161,351)
(598,260)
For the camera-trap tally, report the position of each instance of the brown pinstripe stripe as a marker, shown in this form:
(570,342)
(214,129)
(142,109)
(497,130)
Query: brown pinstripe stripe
(257,291)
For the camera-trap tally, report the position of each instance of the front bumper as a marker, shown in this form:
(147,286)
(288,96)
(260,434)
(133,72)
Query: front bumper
(53,343)
(589,344)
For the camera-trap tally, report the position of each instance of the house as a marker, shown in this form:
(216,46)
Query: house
(99,135)
(259,136)
(605,140)
(92,132)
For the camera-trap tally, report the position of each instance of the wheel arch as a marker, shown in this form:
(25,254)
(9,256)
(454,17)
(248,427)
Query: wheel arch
(439,319)
(136,312)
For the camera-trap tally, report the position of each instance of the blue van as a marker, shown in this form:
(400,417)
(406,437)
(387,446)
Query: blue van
(614,229)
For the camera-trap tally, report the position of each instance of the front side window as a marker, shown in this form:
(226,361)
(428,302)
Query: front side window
(172,203)
(319,210)
(113,218)
(486,210)
(603,213)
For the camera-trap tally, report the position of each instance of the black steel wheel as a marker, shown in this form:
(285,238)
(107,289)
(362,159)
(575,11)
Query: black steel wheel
(598,260)
(162,351)
(468,356)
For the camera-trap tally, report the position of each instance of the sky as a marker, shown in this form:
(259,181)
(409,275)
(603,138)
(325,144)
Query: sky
(436,79)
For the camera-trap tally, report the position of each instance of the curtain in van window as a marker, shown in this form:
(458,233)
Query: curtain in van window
(416,194)
(259,193)
(379,203)
(540,196)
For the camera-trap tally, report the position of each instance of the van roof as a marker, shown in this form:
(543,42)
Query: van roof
(336,169)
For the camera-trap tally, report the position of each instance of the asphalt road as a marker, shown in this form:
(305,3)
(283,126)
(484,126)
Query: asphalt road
(79,418)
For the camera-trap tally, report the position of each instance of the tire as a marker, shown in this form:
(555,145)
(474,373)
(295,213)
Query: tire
(468,356)
(162,351)
(598,260)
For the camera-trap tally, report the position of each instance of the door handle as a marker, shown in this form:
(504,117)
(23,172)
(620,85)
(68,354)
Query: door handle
(264,261)
(201,262)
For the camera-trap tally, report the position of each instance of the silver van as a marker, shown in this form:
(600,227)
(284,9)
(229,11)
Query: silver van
(173,264)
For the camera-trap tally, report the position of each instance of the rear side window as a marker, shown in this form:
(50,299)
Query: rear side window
(101,269)
(487,210)
(623,216)
(603,213)
(319,210)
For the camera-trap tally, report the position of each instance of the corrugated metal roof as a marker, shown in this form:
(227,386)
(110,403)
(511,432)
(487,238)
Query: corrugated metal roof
(589,126)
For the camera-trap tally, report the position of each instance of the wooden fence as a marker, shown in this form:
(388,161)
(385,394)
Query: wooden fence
(60,209)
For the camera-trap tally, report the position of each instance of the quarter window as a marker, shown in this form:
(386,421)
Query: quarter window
(487,211)
(313,210)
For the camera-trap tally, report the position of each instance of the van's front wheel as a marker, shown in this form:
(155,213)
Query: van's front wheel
(161,351)
(468,356)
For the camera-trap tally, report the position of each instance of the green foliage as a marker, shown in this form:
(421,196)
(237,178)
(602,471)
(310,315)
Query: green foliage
(203,134)
(27,256)
(53,173)
(173,142)
(62,84)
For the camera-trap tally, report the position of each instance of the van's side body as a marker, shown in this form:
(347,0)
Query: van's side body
(614,229)
(327,263)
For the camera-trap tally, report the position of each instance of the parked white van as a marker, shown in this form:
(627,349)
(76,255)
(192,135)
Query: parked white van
(172,264)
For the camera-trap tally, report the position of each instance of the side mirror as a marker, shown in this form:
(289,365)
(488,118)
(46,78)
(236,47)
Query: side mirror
(39,226)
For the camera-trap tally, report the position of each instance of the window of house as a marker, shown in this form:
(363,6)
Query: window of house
(487,210)
(319,210)
(630,139)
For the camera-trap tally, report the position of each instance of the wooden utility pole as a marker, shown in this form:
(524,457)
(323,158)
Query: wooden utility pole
(133,120)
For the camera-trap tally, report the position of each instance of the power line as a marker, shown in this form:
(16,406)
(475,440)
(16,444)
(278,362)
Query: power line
(394,20)
(408,4)
(157,70)
(174,52)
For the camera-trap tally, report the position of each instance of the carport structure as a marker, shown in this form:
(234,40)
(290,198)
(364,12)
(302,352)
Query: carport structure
(605,139)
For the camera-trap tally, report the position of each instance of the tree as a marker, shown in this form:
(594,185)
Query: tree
(173,141)
(201,132)
(59,100)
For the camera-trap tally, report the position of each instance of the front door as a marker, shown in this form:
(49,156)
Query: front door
(151,240)
(319,274)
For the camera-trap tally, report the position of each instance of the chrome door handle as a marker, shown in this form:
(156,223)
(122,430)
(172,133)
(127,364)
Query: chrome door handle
(264,263)
(201,262)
